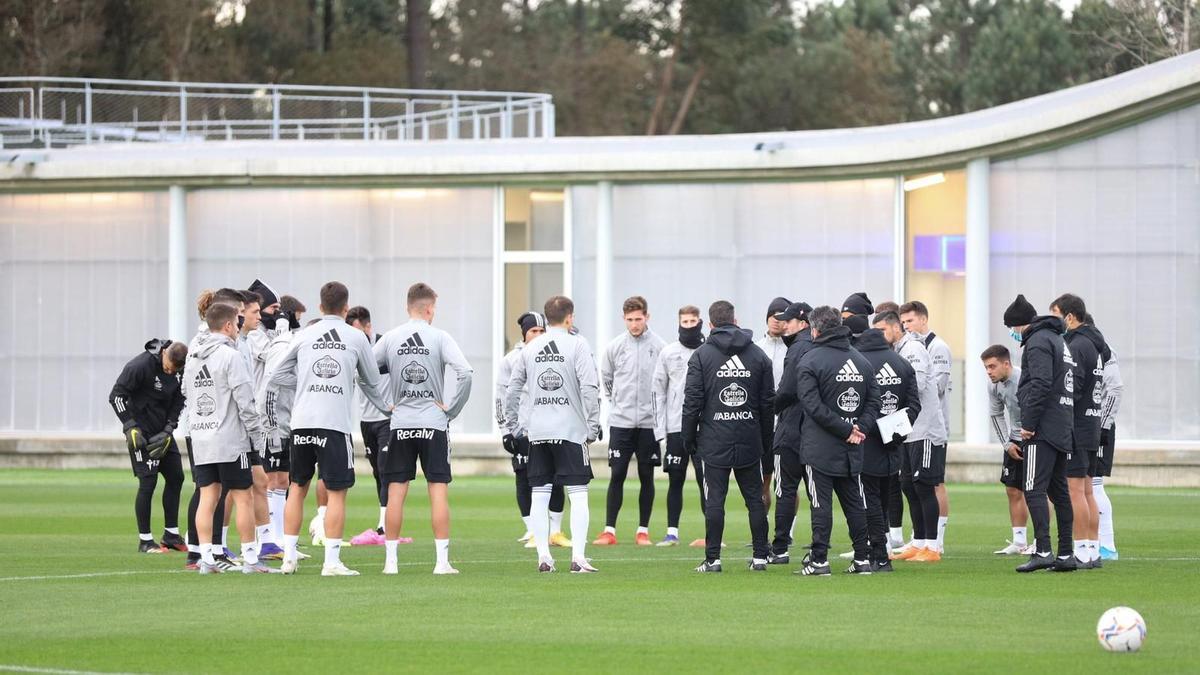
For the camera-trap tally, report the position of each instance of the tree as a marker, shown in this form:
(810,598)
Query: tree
(51,38)
(1024,51)
(416,32)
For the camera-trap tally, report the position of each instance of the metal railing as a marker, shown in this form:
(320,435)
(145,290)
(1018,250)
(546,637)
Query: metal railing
(62,111)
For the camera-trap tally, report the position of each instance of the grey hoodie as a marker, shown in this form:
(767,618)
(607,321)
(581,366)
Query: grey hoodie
(222,422)
(324,359)
(627,370)
(502,377)
(274,406)
(416,355)
(561,375)
(930,425)
(670,375)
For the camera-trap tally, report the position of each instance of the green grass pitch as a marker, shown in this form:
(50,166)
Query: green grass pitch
(75,596)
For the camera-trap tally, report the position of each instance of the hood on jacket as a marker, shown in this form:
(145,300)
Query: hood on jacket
(1092,333)
(837,337)
(1044,322)
(207,343)
(731,339)
(871,340)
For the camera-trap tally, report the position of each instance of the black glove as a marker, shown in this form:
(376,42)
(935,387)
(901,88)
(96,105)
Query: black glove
(898,439)
(291,319)
(600,434)
(510,444)
(159,444)
(135,440)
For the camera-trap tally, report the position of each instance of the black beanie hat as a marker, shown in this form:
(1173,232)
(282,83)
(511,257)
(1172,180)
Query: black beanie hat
(796,310)
(1019,313)
(777,305)
(858,303)
(530,320)
(857,323)
(268,295)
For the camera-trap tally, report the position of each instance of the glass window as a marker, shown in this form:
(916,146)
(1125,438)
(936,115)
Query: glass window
(526,287)
(533,219)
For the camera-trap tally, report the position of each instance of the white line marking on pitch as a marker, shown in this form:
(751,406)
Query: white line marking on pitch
(27,669)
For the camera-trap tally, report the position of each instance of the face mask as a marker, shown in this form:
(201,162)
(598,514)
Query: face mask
(1015,335)
(268,321)
(691,337)
(241,321)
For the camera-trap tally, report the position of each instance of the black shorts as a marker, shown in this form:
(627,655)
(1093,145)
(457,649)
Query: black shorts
(624,443)
(1079,462)
(924,462)
(405,446)
(233,475)
(332,451)
(675,459)
(144,466)
(561,462)
(1012,471)
(520,459)
(1102,459)
(255,458)
(279,455)
(375,439)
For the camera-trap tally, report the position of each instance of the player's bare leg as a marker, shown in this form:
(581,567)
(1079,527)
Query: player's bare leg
(393,520)
(439,507)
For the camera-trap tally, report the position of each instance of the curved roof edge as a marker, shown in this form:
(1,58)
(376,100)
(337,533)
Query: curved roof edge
(1011,129)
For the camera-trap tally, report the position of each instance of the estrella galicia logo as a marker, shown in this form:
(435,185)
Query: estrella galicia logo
(413,345)
(414,373)
(888,403)
(550,380)
(158,385)
(330,340)
(733,395)
(848,400)
(205,405)
(1069,381)
(327,367)
(549,354)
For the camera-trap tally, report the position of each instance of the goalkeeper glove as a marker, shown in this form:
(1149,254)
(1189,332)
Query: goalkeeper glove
(159,444)
(510,444)
(135,440)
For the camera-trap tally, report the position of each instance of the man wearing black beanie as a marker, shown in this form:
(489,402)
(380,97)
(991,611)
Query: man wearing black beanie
(857,303)
(532,324)
(1046,398)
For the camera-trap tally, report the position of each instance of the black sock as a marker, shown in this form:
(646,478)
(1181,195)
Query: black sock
(141,503)
(675,497)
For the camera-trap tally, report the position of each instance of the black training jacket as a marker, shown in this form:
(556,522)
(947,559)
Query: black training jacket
(146,396)
(787,401)
(1088,349)
(897,383)
(727,399)
(1044,391)
(837,392)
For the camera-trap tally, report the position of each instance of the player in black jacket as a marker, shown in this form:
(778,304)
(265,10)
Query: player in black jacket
(840,401)
(1090,353)
(789,470)
(881,457)
(1045,395)
(728,422)
(147,400)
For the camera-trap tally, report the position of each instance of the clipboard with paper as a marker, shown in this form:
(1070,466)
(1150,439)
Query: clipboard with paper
(895,423)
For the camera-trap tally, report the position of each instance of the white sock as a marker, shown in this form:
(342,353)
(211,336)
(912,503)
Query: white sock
(792,529)
(145,536)
(918,543)
(580,519)
(172,530)
(895,534)
(643,530)
(442,546)
(382,513)
(250,553)
(1094,549)
(556,522)
(610,530)
(206,554)
(1081,552)
(264,534)
(333,551)
(539,513)
(1019,536)
(941,535)
(193,548)
(673,532)
(390,546)
(225,536)
(276,501)
(321,512)
(1107,538)
(528,523)
(290,541)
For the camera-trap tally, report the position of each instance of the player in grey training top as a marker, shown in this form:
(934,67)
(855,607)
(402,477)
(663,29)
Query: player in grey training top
(416,356)
(915,317)
(564,418)
(324,358)
(1006,424)
(375,427)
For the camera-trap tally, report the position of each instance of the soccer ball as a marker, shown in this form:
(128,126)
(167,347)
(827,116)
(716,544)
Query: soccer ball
(1121,629)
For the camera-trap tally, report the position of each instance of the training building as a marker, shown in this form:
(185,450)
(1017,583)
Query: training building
(121,201)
